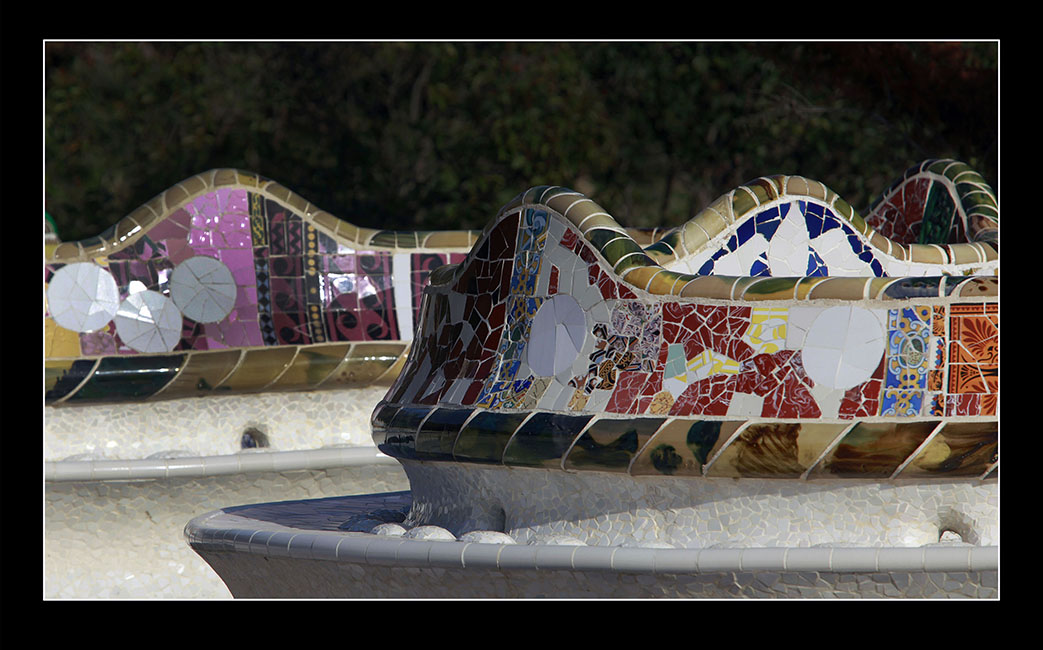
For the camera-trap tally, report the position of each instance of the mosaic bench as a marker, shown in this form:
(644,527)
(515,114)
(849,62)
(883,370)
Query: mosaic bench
(229,283)
(225,338)
(776,338)
(711,414)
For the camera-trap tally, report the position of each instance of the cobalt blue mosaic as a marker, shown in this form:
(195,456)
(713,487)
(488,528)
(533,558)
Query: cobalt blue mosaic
(818,219)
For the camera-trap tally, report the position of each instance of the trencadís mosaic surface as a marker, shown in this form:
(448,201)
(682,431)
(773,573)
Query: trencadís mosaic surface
(229,283)
(776,335)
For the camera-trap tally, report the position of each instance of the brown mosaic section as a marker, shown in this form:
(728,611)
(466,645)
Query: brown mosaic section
(959,449)
(202,373)
(368,363)
(873,450)
(775,450)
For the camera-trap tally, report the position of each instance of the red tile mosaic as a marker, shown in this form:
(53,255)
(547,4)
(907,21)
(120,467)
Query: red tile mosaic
(629,385)
(900,217)
(863,400)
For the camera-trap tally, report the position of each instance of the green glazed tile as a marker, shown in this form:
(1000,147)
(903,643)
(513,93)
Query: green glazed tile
(633,261)
(617,249)
(610,444)
(313,365)
(400,435)
(937,216)
(438,433)
(394,239)
(202,372)
(128,378)
(598,237)
(680,448)
(776,288)
(742,202)
(543,440)
(485,436)
(62,377)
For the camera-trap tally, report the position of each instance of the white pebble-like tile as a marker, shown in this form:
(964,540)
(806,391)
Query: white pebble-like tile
(530,504)
(434,533)
(291,421)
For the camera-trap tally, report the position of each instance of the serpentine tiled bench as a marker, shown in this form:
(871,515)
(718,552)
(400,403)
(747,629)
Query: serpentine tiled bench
(226,314)
(775,373)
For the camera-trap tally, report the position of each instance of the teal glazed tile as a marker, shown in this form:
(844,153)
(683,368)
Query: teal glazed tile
(610,444)
(544,439)
(128,378)
(485,436)
(438,433)
(400,438)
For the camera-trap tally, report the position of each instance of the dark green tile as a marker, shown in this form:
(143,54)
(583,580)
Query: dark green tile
(616,249)
(128,378)
(773,285)
(381,420)
(544,439)
(400,437)
(610,444)
(438,433)
(937,216)
(485,436)
(68,379)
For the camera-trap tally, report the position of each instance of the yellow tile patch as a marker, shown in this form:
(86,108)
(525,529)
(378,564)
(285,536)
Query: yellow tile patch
(767,331)
(58,341)
(711,362)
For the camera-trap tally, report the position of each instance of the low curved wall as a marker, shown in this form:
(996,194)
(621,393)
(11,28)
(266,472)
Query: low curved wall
(295,550)
(109,538)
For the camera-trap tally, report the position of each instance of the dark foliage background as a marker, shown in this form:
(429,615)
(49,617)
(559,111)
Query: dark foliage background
(438,135)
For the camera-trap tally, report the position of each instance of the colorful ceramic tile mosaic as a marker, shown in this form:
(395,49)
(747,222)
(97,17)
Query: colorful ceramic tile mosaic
(776,334)
(229,283)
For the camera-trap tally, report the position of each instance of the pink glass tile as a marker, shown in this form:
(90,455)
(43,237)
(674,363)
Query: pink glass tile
(241,264)
(100,342)
(178,250)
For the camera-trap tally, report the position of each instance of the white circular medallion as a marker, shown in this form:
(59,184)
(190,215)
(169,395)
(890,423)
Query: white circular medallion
(149,322)
(558,332)
(203,289)
(82,297)
(843,347)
